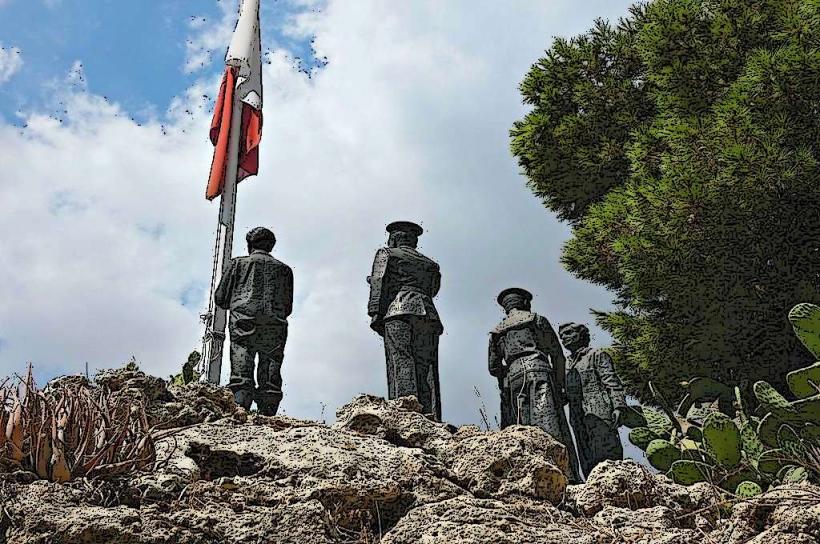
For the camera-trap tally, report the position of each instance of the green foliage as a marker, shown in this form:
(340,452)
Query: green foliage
(681,145)
(661,453)
(189,372)
(747,489)
(741,453)
(688,472)
(721,437)
(642,436)
(805,320)
(804,382)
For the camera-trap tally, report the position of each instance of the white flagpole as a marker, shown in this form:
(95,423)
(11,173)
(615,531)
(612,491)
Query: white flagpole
(216,318)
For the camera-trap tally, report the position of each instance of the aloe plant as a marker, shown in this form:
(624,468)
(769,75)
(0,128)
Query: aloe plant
(72,431)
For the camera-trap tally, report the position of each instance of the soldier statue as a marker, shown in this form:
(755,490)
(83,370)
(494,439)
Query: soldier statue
(258,291)
(526,357)
(402,286)
(596,398)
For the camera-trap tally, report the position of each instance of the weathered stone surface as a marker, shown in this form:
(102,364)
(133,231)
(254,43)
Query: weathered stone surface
(399,421)
(516,461)
(465,520)
(383,472)
(627,484)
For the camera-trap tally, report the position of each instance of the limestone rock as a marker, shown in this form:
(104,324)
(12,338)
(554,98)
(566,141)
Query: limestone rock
(383,473)
(470,520)
(399,421)
(626,484)
(518,460)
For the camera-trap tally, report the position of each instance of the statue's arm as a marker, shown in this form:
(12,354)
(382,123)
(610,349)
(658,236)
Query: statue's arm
(222,295)
(557,357)
(377,303)
(495,361)
(436,283)
(606,371)
(288,306)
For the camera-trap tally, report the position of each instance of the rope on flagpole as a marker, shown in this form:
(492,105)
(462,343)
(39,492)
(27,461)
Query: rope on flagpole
(216,318)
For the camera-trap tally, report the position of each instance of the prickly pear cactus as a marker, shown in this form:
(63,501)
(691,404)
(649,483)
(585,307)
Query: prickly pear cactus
(657,421)
(770,400)
(722,438)
(661,454)
(804,382)
(688,472)
(795,475)
(642,436)
(748,489)
(805,320)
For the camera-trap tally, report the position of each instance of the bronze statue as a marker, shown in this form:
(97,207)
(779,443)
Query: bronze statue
(526,356)
(596,398)
(402,287)
(258,291)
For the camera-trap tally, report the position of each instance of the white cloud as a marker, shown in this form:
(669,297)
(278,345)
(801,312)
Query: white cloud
(11,60)
(208,36)
(107,228)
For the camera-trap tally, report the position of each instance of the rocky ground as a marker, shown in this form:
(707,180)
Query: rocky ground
(382,473)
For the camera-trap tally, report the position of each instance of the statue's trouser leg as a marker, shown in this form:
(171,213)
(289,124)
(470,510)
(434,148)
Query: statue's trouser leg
(425,350)
(602,442)
(398,346)
(581,439)
(272,338)
(241,383)
(547,414)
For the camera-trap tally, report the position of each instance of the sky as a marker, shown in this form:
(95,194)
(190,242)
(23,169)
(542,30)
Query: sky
(374,111)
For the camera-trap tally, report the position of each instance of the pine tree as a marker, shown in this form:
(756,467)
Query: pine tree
(682,146)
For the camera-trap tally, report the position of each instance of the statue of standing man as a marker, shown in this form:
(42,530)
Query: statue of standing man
(402,287)
(526,356)
(596,398)
(258,291)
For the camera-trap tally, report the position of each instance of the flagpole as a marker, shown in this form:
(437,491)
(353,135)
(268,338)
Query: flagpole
(216,318)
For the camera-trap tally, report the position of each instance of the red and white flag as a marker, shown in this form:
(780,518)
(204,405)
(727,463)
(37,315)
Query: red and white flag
(242,81)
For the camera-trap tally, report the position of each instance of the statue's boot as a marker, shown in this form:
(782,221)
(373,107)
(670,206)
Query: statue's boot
(268,407)
(243,398)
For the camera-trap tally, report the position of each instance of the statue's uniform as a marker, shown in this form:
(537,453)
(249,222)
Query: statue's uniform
(525,352)
(402,287)
(594,391)
(258,291)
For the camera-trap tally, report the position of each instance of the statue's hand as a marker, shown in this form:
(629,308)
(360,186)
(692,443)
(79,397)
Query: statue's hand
(616,417)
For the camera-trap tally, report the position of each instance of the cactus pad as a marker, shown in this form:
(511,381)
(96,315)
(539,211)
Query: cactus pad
(804,382)
(748,489)
(657,421)
(805,320)
(642,436)
(661,454)
(686,472)
(722,438)
(770,399)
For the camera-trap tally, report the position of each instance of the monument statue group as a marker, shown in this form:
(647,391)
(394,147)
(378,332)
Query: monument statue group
(525,355)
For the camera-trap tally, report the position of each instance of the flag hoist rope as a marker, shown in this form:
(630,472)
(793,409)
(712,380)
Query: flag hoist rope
(216,318)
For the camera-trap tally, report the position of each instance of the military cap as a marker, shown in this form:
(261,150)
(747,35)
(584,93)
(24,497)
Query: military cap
(572,327)
(405,226)
(517,291)
(260,234)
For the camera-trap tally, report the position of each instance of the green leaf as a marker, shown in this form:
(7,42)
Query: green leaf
(657,421)
(747,490)
(661,454)
(804,382)
(642,436)
(805,320)
(722,438)
(687,472)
